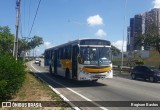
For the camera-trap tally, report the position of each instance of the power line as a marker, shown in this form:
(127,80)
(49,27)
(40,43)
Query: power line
(24,16)
(34,17)
(29,14)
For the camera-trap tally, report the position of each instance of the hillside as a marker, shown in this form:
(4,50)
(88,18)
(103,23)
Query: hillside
(152,60)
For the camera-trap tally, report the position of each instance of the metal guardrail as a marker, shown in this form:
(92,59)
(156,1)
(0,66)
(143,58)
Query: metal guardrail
(124,68)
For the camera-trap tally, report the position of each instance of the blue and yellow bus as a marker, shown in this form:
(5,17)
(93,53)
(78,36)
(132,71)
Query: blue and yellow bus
(81,60)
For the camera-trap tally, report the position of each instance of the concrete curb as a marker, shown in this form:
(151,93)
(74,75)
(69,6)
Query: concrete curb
(58,93)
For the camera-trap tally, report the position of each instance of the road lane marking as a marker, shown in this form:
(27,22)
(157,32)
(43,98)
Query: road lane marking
(103,108)
(57,92)
(34,68)
(64,98)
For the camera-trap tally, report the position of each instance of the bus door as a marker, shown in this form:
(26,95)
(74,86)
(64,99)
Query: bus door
(55,61)
(75,51)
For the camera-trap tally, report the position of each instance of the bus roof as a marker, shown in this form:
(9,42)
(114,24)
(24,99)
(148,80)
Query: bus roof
(83,42)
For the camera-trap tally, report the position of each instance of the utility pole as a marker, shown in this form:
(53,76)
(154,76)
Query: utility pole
(15,48)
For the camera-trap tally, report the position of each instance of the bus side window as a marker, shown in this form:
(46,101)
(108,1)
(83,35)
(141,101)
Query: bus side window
(68,52)
(60,53)
(53,56)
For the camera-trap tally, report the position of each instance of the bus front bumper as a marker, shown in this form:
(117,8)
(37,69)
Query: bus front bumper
(93,76)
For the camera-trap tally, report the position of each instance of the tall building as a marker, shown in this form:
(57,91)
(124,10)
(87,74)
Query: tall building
(140,24)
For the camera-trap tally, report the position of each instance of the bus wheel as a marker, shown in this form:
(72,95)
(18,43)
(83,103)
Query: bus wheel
(50,69)
(67,74)
(95,80)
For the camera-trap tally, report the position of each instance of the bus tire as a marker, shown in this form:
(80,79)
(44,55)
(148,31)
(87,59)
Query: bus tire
(95,80)
(67,73)
(50,69)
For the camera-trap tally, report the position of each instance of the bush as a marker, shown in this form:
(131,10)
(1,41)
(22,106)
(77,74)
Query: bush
(12,76)
(139,62)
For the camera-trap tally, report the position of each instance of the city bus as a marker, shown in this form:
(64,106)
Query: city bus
(81,60)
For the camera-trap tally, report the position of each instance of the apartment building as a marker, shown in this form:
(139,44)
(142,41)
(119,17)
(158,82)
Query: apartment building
(139,25)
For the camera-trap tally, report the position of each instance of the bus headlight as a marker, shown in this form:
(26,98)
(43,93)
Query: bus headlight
(82,71)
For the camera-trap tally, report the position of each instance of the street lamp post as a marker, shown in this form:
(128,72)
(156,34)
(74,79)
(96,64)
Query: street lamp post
(123,33)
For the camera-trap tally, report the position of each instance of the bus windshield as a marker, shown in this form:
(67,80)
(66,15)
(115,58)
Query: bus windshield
(95,55)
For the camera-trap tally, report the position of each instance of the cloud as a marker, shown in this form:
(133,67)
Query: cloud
(101,33)
(48,45)
(38,50)
(156,3)
(94,20)
(118,44)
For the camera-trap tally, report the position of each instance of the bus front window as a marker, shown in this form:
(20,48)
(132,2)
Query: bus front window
(105,55)
(95,55)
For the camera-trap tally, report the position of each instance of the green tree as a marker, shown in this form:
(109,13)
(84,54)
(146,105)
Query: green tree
(23,45)
(12,76)
(6,39)
(151,38)
(36,41)
(115,51)
(26,44)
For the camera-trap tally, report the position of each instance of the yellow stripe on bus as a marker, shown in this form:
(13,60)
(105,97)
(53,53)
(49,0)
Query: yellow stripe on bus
(66,64)
(93,70)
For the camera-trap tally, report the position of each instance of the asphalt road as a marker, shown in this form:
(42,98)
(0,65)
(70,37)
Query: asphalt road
(117,89)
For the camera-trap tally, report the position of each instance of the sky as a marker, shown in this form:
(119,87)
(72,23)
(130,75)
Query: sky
(61,21)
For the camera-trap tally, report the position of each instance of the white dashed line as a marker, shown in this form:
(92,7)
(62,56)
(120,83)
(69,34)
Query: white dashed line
(103,108)
(57,92)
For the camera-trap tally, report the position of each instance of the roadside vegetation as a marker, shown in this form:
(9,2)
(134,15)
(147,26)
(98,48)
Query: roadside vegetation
(34,90)
(12,76)
(152,60)
(12,71)
(16,83)
(150,39)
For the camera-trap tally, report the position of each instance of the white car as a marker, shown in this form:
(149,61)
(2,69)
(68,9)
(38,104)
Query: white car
(37,61)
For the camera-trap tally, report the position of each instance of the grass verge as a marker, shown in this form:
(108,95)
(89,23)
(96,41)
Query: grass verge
(35,90)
